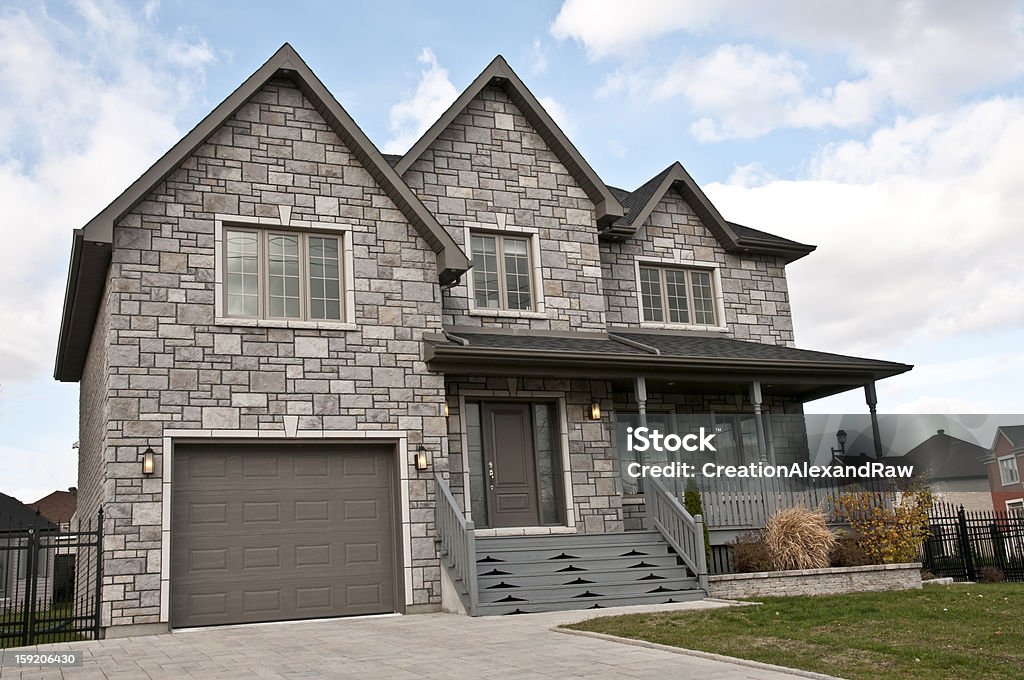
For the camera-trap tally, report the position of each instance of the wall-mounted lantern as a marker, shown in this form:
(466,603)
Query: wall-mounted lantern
(421,458)
(595,411)
(148,462)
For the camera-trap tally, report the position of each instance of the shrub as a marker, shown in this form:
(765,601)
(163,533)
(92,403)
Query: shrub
(798,538)
(847,553)
(694,505)
(887,532)
(991,575)
(749,554)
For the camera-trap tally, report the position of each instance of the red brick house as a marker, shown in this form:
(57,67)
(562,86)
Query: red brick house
(1005,463)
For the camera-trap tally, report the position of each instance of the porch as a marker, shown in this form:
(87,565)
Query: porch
(536,453)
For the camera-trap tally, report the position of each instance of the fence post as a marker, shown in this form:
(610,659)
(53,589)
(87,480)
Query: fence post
(965,544)
(28,621)
(99,575)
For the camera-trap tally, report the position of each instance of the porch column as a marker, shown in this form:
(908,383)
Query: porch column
(755,399)
(872,400)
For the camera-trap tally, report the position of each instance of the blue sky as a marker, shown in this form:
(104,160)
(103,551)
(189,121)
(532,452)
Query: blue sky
(887,133)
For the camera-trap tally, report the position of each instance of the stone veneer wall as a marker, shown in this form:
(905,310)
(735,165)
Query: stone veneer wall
(491,169)
(172,366)
(753,286)
(832,581)
(596,485)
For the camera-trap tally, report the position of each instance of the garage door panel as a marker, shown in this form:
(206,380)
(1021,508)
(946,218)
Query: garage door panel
(273,533)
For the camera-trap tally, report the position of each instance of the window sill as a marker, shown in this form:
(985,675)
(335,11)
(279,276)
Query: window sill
(683,327)
(508,313)
(285,323)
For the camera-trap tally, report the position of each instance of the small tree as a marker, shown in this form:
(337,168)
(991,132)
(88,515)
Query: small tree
(887,533)
(694,505)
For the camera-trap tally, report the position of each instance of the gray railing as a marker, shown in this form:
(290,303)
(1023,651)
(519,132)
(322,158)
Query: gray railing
(747,503)
(457,541)
(683,531)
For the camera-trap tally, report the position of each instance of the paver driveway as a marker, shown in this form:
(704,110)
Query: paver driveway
(390,648)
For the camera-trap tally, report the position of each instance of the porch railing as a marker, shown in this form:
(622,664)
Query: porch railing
(683,531)
(747,503)
(457,541)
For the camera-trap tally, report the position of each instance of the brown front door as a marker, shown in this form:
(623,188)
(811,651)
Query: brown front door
(511,466)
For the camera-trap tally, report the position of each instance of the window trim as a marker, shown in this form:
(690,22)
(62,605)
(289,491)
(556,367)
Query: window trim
(712,268)
(1015,507)
(264,227)
(999,466)
(532,237)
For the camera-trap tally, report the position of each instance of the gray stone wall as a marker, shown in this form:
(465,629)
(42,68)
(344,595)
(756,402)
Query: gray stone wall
(92,419)
(491,169)
(171,366)
(596,485)
(753,286)
(832,581)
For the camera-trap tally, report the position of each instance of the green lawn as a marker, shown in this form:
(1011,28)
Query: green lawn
(960,632)
(10,624)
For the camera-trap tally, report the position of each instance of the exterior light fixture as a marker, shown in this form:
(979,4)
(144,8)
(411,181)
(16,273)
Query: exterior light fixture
(148,462)
(595,411)
(446,409)
(421,458)
(841,438)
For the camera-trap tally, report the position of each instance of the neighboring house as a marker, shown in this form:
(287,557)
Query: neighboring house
(15,519)
(287,324)
(58,507)
(1004,463)
(952,468)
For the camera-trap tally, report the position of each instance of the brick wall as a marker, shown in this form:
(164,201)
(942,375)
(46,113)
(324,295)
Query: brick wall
(832,581)
(753,286)
(172,366)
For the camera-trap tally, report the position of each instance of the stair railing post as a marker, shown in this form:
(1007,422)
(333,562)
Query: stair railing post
(701,556)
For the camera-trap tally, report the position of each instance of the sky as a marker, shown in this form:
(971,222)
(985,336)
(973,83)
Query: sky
(888,133)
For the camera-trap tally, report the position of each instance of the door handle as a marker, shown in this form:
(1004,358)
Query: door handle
(490,469)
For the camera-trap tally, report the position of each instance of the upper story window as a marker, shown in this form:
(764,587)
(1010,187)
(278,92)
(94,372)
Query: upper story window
(271,274)
(502,272)
(678,296)
(1008,470)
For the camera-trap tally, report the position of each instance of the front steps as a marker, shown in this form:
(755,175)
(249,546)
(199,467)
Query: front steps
(526,574)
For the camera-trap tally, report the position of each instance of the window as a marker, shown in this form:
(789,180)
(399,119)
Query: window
(677,296)
(1008,470)
(282,275)
(1015,508)
(502,272)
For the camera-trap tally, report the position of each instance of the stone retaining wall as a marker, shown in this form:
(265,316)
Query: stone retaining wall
(831,581)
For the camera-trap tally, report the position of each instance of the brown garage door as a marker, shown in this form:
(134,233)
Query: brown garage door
(268,532)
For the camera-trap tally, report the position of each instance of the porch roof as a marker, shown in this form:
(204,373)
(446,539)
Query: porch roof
(700,361)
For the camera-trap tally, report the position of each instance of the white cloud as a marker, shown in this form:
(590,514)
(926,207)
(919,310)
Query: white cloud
(538,59)
(917,230)
(559,114)
(86,109)
(411,117)
(916,56)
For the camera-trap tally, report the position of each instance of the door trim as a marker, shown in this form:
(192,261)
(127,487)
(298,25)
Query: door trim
(563,423)
(400,460)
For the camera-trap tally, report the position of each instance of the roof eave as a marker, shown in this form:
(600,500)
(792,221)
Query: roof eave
(83,295)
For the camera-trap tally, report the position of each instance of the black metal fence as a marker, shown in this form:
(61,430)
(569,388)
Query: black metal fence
(49,583)
(972,546)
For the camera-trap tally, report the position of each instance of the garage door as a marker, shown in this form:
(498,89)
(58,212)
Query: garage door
(275,532)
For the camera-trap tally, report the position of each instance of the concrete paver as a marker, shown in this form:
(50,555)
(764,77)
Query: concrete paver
(420,647)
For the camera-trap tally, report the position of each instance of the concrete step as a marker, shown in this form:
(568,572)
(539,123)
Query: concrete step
(554,605)
(556,553)
(507,592)
(543,566)
(613,575)
(569,540)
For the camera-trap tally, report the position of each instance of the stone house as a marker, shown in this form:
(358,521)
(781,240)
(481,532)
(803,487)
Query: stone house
(320,381)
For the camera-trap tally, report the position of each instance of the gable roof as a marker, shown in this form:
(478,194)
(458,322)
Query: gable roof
(499,73)
(735,238)
(58,507)
(1013,433)
(16,515)
(944,456)
(91,245)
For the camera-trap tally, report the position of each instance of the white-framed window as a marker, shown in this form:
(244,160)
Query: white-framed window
(294,274)
(503,274)
(1015,508)
(1008,472)
(679,295)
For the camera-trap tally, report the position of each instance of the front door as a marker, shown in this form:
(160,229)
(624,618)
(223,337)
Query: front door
(510,474)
